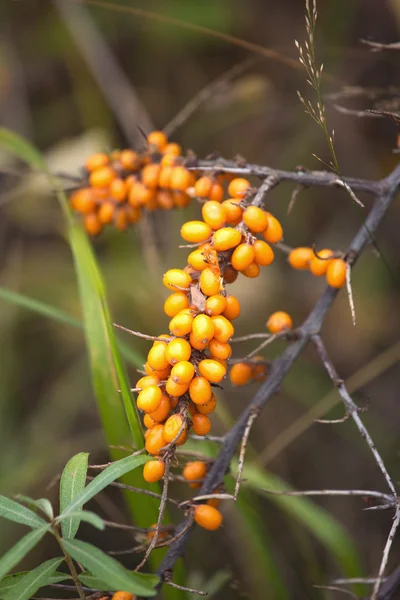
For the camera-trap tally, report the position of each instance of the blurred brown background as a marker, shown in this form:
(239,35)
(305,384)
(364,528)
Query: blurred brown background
(58,90)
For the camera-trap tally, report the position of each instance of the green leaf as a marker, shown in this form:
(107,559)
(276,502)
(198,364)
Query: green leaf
(84,515)
(42,504)
(13,511)
(20,549)
(32,581)
(10,581)
(73,480)
(109,570)
(110,474)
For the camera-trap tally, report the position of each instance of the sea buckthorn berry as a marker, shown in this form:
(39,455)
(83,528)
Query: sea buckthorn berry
(157,357)
(216,192)
(83,201)
(149,399)
(130,160)
(182,372)
(264,255)
(123,596)
(161,535)
(279,321)
(213,214)
(202,187)
(181,199)
(256,219)
(319,264)
(92,224)
(252,270)
(212,370)
(118,190)
(101,178)
(233,211)
(192,408)
(157,139)
(238,187)
(195,231)
(172,427)
(133,214)
(176,389)
(219,350)
(274,232)
(201,424)
(208,407)
(163,374)
(214,502)
(97,161)
(200,391)
(232,310)
(155,440)
(165,200)
(226,238)
(336,273)
(240,374)
(174,400)
(175,303)
(194,471)
(178,350)
(215,305)
(147,380)
(164,338)
(300,258)
(165,177)
(230,274)
(121,219)
(181,324)
(148,421)
(259,371)
(196,343)
(173,148)
(169,160)
(181,179)
(207,517)
(106,213)
(197,260)
(153,471)
(223,328)
(203,329)
(243,255)
(210,282)
(151,175)
(163,410)
(176,278)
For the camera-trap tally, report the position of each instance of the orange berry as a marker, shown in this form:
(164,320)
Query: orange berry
(176,389)
(147,380)
(232,309)
(226,238)
(201,424)
(97,161)
(83,201)
(92,224)
(240,374)
(161,535)
(175,303)
(173,148)
(153,471)
(164,200)
(203,329)
(212,370)
(123,596)
(256,219)
(118,190)
(192,408)
(182,372)
(163,374)
(148,421)
(259,371)
(213,214)
(219,350)
(300,258)
(214,502)
(158,139)
(252,270)
(233,211)
(149,399)
(203,186)
(319,264)
(168,160)
(196,343)
(216,192)
(194,471)
(215,305)
(130,160)
(157,358)
(181,199)
(176,278)
(133,214)
(274,232)
(264,255)
(163,410)
(208,407)
(238,187)
(181,179)
(223,328)
(195,231)
(165,177)
(101,178)
(172,427)
(106,213)
(230,274)
(200,390)
(151,175)
(155,440)
(164,338)
(279,321)
(336,273)
(181,324)
(197,260)
(207,517)
(243,255)
(121,219)
(178,350)
(174,401)
(210,282)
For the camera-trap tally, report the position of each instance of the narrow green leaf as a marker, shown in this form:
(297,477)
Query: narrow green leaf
(20,549)
(13,511)
(84,515)
(15,144)
(110,474)
(42,504)
(73,481)
(30,583)
(109,570)
(94,583)
(10,581)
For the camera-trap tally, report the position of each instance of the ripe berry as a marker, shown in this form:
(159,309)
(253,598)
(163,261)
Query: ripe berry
(181,179)
(172,427)
(202,329)
(163,374)
(83,201)
(279,321)
(92,224)
(213,214)
(196,343)
(256,219)
(161,535)
(176,278)
(200,390)
(319,264)
(207,517)
(223,328)
(148,421)
(106,213)
(155,440)
(194,471)
(176,389)
(178,350)
(153,471)
(175,303)
(238,187)
(219,350)
(210,282)
(233,211)
(173,148)
(130,160)
(96,161)
(215,305)
(201,424)
(212,370)
(259,371)
(165,200)
(240,374)
(242,257)
(336,273)
(195,231)
(181,324)
(208,407)
(252,270)
(162,412)
(182,372)
(147,380)
(149,399)
(232,309)
(118,190)
(157,358)
(123,596)
(264,255)
(300,258)
(230,274)
(158,139)
(151,175)
(226,238)
(197,260)
(274,232)
(101,178)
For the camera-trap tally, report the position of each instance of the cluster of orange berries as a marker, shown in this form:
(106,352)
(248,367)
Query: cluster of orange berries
(322,263)
(122,184)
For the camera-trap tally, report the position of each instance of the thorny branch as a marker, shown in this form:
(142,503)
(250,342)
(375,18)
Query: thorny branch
(384,192)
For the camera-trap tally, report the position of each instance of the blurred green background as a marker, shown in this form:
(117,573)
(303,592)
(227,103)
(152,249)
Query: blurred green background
(76,79)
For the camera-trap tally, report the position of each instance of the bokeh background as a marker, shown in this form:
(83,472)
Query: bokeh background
(77,79)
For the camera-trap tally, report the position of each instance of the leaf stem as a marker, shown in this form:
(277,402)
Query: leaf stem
(69,562)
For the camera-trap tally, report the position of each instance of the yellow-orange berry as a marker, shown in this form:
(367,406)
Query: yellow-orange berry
(161,535)
(210,282)
(155,439)
(151,175)
(153,471)
(230,274)
(232,309)
(202,329)
(164,338)
(158,139)
(223,328)
(148,421)
(176,278)
(97,161)
(252,270)
(181,324)
(208,407)
(200,390)
(226,238)
(215,305)
(101,178)
(163,410)
(175,303)
(201,424)
(83,201)
(233,211)
(238,187)
(279,321)
(256,219)
(121,219)
(163,374)
(106,212)
(176,389)
(194,471)
(212,370)
(147,380)
(182,372)
(157,358)
(172,427)
(336,273)
(319,264)
(264,255)
(216,192)
(118,190)
(243,255)
(164,200)
(130,160)
(178,350)
(196,343)
(207,517)
(213,214)
(274,232)
(123,596)
(195,231)
(149,399)
(219,350)
(240,373)
(197,260)
(203,186)
(173,148)
(165,178)
(259,371)
(181,179)
(92,224)
(300,258)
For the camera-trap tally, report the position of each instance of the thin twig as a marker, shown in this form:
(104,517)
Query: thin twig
(386,551)
(252,417)
(152,338)
(363,493)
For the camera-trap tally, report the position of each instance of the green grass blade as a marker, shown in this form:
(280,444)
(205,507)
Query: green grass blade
(13,511)
(72,483)
(34,580)
(11,558)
